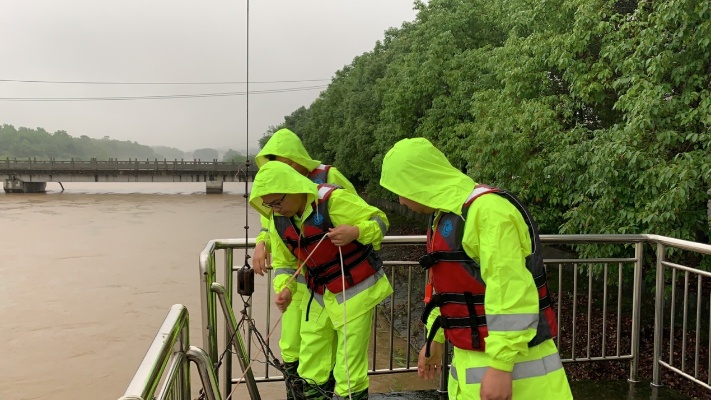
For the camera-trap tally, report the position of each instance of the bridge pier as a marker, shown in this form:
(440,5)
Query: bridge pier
(214,187)
(19,186)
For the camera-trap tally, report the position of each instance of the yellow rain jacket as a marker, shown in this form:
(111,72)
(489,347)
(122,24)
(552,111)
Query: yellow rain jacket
(345,208)
(285,143)
(496,237)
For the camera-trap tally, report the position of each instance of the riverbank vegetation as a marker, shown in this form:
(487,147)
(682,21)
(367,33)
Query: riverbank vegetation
(595,113)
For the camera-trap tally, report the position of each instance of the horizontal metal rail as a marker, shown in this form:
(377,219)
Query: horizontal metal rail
(593,287)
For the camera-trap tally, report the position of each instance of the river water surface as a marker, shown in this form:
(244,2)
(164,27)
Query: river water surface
(88,275)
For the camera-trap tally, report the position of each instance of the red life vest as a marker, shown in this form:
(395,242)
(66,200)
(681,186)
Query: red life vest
(459,287)
(319,174)
(323,269)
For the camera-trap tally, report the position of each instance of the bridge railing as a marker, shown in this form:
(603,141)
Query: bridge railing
(593,297)
(29,165)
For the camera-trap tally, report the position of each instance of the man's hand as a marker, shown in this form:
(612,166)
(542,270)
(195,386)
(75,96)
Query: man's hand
(343,234)
(283,299)
(427,367)
(261,258)
(496,385)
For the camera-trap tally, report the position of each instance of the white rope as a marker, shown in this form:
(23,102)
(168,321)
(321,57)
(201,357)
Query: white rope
(345,333)
(296,273)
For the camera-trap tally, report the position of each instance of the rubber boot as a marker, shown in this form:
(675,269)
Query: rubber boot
(330,385)
(319,392)
(294,383)
(362,395)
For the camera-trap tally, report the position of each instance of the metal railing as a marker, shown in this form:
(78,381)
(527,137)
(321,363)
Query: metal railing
(588,311)
(130,165)
(695,312)
(171,349)
(596,291)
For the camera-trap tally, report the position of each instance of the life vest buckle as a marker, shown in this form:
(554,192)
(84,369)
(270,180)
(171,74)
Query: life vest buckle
(428,260)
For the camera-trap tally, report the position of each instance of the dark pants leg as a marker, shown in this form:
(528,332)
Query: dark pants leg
(294,383)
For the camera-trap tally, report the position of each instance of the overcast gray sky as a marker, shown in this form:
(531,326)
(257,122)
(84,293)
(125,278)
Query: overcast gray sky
(131,41)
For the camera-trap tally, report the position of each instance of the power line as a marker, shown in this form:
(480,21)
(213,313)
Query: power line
(165,97)
(157,83)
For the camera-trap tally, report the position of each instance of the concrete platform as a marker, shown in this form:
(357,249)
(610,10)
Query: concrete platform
(415,395)
(582,390)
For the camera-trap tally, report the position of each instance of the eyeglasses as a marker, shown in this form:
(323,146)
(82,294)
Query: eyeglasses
(274,204)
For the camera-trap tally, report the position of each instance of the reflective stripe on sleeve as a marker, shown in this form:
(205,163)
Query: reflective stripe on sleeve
(511,322)
(381,223)
(289,271)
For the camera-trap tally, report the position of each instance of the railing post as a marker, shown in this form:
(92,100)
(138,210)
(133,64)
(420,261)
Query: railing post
(636,310)
(207,376)
(209,309)
(658,318)
(229,284)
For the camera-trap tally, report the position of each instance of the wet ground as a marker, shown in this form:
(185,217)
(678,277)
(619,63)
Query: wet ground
(582,390)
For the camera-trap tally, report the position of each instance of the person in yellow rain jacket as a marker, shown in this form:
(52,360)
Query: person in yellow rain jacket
(285,146)
(335,235)
(488,281)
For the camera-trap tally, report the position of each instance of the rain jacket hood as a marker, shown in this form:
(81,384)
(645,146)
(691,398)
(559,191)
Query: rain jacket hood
(418,171)
(285,143)
(276,178)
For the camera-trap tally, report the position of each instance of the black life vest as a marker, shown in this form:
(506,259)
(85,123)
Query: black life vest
(459,287)
(323,268)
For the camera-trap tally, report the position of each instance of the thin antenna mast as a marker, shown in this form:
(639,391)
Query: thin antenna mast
(246,179)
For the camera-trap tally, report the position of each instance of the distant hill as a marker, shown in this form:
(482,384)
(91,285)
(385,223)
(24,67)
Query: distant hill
(38,143)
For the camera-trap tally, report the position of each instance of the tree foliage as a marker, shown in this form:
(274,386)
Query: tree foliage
(596,113)
(38,143)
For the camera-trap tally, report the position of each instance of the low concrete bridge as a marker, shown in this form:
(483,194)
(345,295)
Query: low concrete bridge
(31,176)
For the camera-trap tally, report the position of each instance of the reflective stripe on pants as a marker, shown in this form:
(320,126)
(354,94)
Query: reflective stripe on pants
(538,375)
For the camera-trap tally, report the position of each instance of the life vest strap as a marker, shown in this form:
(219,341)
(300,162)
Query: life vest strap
(473,321)
(308,305)
(336,261)
(317,274)
(305,242)
(430,259)
(540,280)
(469,298)
(440,299)
(436,325)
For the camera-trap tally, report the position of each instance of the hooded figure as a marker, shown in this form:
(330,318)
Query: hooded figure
(302,212)
(494,249)
(286,147)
